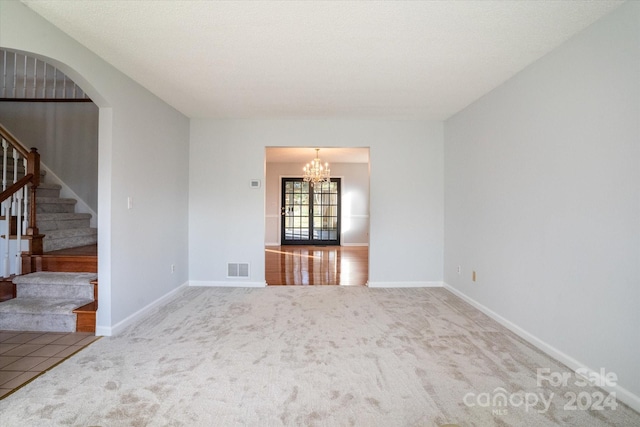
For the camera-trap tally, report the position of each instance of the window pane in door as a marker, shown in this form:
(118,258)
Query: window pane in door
(320,202)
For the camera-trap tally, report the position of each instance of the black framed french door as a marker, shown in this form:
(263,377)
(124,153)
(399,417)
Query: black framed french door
(310,213)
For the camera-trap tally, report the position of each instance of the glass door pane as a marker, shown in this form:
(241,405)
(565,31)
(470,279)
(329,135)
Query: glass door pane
(325,212)
(310,214)
(295,210)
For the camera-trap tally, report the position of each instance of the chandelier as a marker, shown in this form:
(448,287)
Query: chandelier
(315,173)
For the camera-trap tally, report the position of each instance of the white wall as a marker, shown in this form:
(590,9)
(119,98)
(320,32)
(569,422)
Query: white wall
(355,200)
(143,153)
(58,129)
(227,217)
(542,199)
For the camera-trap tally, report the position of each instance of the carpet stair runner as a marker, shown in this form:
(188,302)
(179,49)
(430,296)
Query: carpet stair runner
(57,220)
(45,301)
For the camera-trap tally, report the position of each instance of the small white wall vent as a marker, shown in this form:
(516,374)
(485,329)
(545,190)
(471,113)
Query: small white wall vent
(238,269)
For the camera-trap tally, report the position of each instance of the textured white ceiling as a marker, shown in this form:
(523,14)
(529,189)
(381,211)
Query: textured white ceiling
(321,59)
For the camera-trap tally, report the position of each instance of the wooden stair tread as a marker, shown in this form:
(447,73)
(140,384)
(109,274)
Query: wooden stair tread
(79,259)
(91,307)
(89,250)
(86,317)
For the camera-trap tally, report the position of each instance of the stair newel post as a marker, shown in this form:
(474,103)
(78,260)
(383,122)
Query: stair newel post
(33,165)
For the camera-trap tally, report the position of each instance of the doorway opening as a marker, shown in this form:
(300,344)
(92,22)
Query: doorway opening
(316,235)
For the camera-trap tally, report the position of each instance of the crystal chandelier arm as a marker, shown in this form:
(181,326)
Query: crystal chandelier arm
(315,172)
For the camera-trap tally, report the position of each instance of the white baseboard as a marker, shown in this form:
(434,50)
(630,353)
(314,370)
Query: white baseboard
(622,394)
(230,284)
(404,284)
(103,331)
(108,331)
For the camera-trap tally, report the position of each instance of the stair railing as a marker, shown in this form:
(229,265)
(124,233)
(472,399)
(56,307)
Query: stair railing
(16,194)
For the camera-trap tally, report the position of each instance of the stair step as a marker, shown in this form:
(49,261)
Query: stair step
(55,204)
(62,239)
(55,285)
(40,314)
(67,263)
(7,288)
(48,190)
(61,216)
(62,221)
(86,317)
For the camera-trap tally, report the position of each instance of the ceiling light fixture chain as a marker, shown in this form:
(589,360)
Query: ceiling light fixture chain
(315,172)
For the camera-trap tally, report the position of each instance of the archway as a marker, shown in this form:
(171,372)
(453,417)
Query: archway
(48,105)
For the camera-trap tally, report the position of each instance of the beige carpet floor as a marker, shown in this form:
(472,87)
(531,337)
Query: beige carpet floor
(308,356)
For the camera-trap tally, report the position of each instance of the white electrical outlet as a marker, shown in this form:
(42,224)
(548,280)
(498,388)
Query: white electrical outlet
(129,202)
(173,268)
(459,270)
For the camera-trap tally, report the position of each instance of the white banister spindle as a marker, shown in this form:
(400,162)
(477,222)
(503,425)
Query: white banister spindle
(35,77)
(6,212)
(15,179)
(44,81)
(5,145)
(15,73)
(15,166)
(55,82)
(16,206)
(7,233)
(18,257)
(25,202)
(4,74)
(24,83)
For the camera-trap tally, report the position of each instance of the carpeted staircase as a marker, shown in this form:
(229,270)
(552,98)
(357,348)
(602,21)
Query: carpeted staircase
(45,301)
(60,291)
(63,228)
(51,301)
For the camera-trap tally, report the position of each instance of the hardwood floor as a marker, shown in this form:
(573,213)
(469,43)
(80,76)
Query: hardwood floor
(317,265)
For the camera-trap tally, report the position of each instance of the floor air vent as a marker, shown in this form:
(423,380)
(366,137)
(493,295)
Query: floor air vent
(238,269)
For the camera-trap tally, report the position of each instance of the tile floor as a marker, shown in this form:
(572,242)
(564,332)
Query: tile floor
(25,355)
